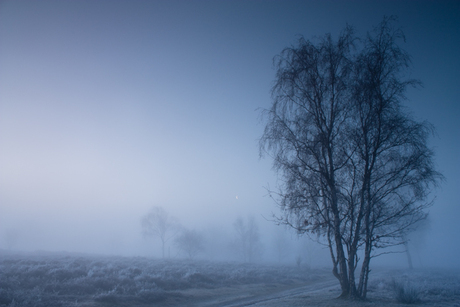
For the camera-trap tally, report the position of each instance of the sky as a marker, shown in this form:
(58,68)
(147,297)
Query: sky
(108,108)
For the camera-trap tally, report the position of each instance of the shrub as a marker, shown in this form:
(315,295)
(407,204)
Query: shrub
(152,297)
(107,298)
(5,298)
(406,294)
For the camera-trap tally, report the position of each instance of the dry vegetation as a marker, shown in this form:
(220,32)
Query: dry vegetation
(69,280)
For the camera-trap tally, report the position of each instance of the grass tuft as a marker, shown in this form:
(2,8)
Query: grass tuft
(406,294)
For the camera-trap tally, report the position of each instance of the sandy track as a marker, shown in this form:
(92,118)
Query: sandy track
(325,292)
(255,294)
(275,297)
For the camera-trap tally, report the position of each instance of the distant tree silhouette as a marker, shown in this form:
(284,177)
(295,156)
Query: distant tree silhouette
(158,223)
(190,242)
(281,245)
(11,238)
(356,167)
(247,239)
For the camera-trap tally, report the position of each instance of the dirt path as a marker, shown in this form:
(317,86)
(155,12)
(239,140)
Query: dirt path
(321,293)
(255,294)
(275,297)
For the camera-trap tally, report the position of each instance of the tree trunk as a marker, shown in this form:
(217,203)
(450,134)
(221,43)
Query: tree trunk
(341,259)
(351,273)
(368,230)
(343,274)
(352,255)
(364,276)
(338,269)
(409,258)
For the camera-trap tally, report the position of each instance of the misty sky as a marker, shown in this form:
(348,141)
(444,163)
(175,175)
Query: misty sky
(110,107)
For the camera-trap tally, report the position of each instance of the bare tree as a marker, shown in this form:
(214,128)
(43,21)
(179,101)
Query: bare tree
(158,223)
(11,238)
(304,136)
(415,240)
(281,245)
(190,242)
(247,239)
(392,161)
(356,167)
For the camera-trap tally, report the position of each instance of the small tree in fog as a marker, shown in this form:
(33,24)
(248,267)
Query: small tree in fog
(281,245)
(415,239)
(247,238)
(158,223)
(190,242)
(11,238)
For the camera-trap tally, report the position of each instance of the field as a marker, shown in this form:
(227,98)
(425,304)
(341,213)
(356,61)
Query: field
(72,280)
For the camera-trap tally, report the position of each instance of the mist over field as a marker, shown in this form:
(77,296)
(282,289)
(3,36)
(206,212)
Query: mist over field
(109,109)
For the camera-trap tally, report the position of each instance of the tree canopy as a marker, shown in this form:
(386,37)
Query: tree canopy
(356,168)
